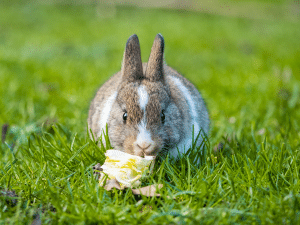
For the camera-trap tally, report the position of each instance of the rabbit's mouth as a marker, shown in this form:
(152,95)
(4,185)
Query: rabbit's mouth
(143,150)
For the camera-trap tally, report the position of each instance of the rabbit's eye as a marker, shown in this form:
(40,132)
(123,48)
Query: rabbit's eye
(163,117)
(125,116)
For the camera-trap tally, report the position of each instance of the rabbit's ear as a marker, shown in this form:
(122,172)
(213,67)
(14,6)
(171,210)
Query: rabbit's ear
(154,71)
(132,68)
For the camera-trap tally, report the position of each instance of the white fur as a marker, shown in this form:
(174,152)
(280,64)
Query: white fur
(185,144)
(144,135)
(143,97)
(106,111)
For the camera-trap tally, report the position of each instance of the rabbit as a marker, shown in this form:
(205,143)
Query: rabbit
(149,108)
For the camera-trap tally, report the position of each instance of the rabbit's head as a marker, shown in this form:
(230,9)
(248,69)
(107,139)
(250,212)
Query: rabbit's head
(144,117)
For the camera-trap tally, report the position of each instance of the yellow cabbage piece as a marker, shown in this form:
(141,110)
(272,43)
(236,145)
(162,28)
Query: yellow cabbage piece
(125,168)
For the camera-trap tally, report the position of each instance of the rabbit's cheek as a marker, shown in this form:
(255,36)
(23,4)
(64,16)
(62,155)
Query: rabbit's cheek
(129,145)
(158,139)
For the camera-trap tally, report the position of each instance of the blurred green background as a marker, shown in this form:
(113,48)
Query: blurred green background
(243,56)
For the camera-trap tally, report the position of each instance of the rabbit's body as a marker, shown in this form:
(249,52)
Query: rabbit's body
(148,107)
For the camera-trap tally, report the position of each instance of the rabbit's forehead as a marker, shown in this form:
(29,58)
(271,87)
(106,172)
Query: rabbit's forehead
(157,89)
(142,94)
(128,96)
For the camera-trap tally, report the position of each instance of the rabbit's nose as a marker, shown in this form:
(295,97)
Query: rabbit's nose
(144,145)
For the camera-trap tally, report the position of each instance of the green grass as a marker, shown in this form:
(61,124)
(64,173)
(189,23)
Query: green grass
(54,57)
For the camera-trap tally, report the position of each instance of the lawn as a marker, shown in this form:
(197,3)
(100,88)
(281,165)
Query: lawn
(53,57)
